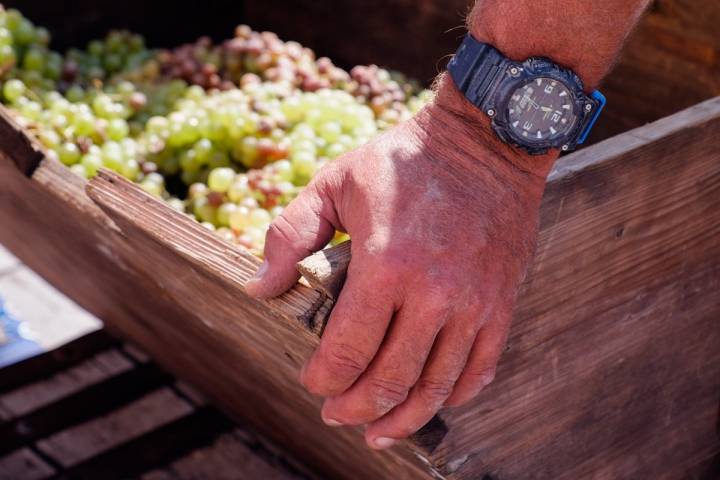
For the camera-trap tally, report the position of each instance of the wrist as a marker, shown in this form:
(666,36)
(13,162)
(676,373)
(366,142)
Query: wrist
(462,123)
(582,36)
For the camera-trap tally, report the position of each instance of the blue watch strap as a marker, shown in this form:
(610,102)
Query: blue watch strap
(475,69)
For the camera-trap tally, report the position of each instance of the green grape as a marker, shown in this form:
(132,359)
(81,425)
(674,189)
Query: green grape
(24,32)
(259,218)
(204,210)
(84,123)
(68,153)
(330,131)
(6,37)
(13,90)
(304,165)
(152,188)
(117,129)
(239,189)
(75,93)
(79,170)
(221,179)
(7,56)
(224,213)
(34,60)
(124,107)
(240,218)
(92,163)
(130,169)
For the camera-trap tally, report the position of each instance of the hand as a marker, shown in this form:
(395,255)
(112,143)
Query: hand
(443,219)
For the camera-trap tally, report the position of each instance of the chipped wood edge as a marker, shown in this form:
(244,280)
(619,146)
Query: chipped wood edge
(326,270)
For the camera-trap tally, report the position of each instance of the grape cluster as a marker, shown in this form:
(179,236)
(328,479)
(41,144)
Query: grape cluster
(119,51)
(227,133)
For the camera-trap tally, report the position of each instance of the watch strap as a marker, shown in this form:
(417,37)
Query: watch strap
(475,69)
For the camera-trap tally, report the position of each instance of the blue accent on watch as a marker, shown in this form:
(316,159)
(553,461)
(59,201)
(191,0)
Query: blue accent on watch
(600,98)
(488,80)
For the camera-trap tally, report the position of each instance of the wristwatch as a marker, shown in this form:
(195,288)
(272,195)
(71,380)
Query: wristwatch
(536,105)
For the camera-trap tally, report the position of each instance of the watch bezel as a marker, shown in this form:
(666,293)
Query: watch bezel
(518,74)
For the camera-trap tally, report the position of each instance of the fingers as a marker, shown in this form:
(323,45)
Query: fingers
(395,369)
(485,353)
(445,364)
(354,332)
(305,226)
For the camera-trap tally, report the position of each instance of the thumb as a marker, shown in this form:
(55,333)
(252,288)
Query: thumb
(304,227)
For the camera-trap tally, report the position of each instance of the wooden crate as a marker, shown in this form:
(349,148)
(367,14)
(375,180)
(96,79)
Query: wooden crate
(613,365)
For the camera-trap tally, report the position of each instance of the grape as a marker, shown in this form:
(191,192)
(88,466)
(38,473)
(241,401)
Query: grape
(69,153)
(220,179)
(117,129)
(13,90)
(229,133)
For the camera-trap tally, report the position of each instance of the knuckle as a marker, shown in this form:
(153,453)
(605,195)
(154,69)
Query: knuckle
(481,377)
(281,230)
(435,391)
(344,360)
(388,393)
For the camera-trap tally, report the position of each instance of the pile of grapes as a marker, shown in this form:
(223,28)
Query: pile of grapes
(228,133)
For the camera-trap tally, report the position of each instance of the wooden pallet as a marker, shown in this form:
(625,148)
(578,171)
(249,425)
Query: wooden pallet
(95,408)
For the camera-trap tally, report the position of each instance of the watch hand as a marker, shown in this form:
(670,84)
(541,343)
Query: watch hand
(546,109)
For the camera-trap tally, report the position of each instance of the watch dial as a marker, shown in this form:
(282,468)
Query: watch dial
(541,110)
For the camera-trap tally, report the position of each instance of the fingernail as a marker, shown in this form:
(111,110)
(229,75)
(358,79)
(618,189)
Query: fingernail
(332,423)
(384,442)
(261,271)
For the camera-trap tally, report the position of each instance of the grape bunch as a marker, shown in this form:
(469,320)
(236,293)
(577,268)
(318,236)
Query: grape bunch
(228,134)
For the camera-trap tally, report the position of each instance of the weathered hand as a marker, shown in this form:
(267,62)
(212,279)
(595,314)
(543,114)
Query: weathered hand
(443,219)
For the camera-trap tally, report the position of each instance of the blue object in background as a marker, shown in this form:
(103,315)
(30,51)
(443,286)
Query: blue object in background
(17,347)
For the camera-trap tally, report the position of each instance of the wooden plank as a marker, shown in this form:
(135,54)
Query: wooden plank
(26,153)
(24,464)
(228,458)
(49,363)
(76,444)
(30,397)
(95,400)
(162,445)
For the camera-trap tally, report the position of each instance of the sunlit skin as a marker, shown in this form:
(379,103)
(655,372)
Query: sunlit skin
(443,218)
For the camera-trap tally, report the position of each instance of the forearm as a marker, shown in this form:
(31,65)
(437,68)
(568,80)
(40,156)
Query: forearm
(584,36)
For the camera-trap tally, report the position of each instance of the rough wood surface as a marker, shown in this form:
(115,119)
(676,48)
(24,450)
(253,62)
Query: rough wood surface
(30,397)
(24,464)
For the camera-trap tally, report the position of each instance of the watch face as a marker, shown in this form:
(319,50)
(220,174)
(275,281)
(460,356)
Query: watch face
(540,110)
